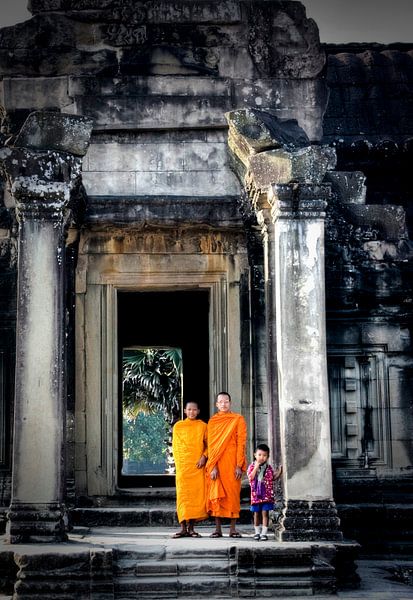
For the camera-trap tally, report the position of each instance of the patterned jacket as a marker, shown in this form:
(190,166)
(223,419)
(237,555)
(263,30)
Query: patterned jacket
(268,485)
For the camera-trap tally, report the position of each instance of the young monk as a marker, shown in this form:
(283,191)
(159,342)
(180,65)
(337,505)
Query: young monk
(189,446)
(227,435)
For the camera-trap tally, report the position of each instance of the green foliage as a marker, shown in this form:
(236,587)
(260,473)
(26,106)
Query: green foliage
(151,398)
(144,440)
(152,380)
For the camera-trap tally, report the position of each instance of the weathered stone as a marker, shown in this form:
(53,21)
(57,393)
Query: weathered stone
(55,131)
(257,130)
(306,165)
(389,221)
(348,185)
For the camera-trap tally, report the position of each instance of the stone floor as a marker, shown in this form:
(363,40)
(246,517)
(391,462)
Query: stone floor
(376,575)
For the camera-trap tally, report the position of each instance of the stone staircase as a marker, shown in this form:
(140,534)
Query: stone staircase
(114,564)
(229,571)
(138,508)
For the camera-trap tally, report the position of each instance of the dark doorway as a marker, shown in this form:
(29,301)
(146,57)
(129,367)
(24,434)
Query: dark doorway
(176,320)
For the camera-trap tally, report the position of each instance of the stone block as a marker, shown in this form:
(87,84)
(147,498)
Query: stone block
(384,334)
(164,156)
(351,407)
(351,430)
(306,165)
(348,185)
(257,130)
(187,183)
(153,112)
(35,93)
(108,184)
(55,131)
(389,220)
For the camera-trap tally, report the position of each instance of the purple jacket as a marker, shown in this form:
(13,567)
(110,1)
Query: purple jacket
(268,481)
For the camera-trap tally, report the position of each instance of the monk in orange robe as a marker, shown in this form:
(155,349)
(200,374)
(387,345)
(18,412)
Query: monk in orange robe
(189,446)
(227,436)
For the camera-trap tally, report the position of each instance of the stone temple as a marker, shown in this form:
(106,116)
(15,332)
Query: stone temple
(204,175)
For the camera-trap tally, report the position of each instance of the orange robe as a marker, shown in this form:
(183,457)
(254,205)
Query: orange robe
(227,436)
(189,442)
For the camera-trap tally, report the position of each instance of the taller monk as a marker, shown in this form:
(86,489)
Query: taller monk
(227,436)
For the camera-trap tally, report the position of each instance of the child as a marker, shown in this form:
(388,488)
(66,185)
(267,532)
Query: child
(189,446)
(262,476)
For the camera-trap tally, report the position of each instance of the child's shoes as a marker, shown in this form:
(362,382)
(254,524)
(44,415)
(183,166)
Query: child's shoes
(257,536)
(263,538)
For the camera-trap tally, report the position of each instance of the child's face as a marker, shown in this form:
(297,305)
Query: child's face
(261,456)
(191,410)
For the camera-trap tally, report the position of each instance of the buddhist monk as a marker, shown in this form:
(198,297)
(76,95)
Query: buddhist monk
(189,446)
(227,435)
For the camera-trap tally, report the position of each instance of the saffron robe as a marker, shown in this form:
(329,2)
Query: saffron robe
(189,442)
(227,436)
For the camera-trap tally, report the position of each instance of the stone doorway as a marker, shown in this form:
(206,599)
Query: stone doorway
(170,319)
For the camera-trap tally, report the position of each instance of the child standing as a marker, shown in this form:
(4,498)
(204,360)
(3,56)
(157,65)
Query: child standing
(262,476)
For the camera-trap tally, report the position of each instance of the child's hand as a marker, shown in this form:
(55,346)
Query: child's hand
(278,472)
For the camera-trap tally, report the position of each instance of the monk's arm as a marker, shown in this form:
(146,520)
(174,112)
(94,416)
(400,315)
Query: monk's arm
(241,443)
(204,456)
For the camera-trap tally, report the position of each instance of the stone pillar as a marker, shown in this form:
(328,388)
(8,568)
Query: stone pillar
(283,176)
(37,511)
(297,266)
(43,183)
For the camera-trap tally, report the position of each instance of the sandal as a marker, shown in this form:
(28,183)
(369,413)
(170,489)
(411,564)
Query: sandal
(179,534)
(216,534)
(235,534)
(194,534)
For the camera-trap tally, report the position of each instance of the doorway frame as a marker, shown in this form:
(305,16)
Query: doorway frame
(97,362)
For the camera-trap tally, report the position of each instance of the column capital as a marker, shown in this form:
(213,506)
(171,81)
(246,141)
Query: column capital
(298,201)
(42,184)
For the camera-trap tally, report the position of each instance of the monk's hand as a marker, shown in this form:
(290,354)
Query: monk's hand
(238,472)
(214,473)
(201,461)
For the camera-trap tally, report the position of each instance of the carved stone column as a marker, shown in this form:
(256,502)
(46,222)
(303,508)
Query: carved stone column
(283,174)
(297,258)
(37,511)
(42,184)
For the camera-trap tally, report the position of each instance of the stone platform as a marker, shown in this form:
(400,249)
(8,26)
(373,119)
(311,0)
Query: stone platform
(141,562)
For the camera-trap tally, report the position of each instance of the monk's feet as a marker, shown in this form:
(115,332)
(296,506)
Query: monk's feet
(194,534)
(180,534)
(216,534)
(235,534)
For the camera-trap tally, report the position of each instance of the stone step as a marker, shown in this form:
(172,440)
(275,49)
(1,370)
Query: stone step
(148,562)
(138,516)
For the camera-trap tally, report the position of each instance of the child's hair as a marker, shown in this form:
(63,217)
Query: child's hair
(263,447)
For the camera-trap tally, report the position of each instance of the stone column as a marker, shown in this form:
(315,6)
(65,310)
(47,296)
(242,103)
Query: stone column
(43,183)
(297,261)
(283,175)
(37,511)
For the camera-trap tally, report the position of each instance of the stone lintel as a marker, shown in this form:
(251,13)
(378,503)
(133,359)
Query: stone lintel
(298,201)
(36,523)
